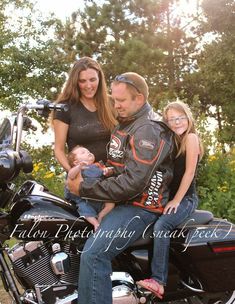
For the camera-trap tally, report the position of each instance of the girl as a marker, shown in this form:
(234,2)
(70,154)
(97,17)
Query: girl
(183,197)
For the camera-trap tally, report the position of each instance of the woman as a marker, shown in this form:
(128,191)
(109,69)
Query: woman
(89,119)
(183,197)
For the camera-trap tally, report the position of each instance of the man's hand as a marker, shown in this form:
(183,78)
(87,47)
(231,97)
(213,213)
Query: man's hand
(74,184)
(108,171)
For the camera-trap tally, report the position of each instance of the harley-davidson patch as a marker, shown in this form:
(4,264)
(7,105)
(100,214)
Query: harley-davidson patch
(153,191)
(146,144)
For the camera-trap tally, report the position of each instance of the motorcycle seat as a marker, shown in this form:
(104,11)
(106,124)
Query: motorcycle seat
(197,218)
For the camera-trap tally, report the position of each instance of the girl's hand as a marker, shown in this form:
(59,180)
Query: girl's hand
(171,207)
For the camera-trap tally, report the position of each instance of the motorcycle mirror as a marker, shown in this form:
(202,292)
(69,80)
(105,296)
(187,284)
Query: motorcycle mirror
(6,133)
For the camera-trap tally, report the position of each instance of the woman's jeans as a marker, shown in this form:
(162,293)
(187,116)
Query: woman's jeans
(120,228)
(162,228)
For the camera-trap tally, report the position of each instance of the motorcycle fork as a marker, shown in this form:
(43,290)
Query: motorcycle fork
(7,279)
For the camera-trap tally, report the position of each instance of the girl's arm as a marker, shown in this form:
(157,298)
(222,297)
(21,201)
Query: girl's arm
(61,131)
(192,152)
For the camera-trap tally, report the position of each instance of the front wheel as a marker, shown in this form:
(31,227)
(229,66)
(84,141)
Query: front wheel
(220,298)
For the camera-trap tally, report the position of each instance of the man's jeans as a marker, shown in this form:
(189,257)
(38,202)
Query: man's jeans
(121,227)
(162,228)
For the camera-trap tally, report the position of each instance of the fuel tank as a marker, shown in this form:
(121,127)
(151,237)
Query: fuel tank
(38,214)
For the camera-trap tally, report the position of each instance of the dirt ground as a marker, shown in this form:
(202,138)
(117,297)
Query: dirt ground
(4,297)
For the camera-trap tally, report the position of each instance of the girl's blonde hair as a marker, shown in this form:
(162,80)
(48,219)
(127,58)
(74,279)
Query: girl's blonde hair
(71,91)
(181,140)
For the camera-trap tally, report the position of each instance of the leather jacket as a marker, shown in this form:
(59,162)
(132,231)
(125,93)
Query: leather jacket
(141,150)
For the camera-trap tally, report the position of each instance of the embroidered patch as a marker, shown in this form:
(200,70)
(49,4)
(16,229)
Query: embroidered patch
(114,148)
(153,190)
(146,144)
(115,143)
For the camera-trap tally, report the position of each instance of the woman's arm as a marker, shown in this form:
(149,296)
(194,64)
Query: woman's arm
(61,131)
(192,153)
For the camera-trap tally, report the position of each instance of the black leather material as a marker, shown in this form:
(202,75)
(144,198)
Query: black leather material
(199,217)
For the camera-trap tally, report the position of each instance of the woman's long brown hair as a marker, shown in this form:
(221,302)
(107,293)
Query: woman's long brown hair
(71,91)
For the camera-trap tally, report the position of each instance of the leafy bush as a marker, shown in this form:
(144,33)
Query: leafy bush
(48,177)
(216,184)
(46,170)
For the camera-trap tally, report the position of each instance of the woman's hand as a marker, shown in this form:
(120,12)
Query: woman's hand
(171,207)
(74,184)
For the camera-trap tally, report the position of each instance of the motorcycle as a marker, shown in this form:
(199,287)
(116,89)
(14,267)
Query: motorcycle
(42,266)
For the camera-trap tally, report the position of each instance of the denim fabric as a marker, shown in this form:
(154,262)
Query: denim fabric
(85,207)
(92,172)
(162,228)
(121,227)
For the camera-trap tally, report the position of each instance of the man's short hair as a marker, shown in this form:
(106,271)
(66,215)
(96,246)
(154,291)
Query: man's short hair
(134,80)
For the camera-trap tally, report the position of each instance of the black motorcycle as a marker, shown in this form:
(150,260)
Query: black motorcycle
(43,266)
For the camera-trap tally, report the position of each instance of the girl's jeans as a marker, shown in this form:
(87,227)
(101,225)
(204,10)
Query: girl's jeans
(121,227)
(162,228)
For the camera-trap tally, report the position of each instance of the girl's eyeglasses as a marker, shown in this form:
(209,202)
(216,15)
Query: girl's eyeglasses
(175,120)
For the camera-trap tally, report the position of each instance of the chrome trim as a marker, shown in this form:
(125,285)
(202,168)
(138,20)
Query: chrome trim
(192,288)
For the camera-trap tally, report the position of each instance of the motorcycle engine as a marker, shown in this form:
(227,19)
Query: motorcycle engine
(50,269)
(124,290)
(49,272)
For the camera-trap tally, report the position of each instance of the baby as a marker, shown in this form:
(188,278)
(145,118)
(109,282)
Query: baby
(81,159)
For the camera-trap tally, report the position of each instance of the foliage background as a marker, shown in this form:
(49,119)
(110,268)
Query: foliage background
(191,57)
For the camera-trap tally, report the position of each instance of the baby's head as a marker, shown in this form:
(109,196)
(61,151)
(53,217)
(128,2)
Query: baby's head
(80,154)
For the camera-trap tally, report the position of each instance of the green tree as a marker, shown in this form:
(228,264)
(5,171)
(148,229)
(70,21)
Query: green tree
(31,66)
(214,80)
(143,36)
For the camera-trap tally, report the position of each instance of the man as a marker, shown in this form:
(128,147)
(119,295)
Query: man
(140,151)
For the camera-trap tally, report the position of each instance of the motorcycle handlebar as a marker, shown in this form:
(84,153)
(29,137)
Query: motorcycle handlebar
(43,107)
(13,159)
(44,104)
